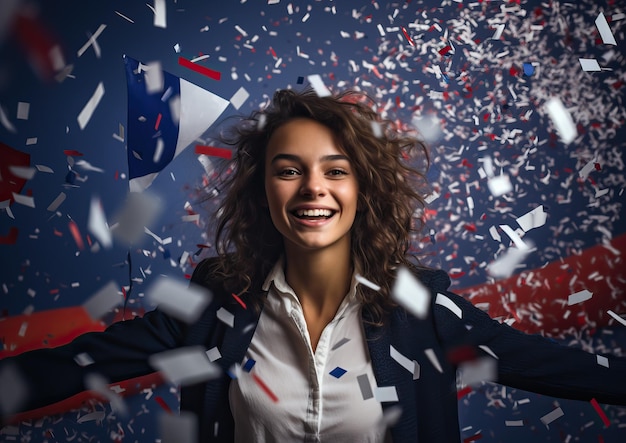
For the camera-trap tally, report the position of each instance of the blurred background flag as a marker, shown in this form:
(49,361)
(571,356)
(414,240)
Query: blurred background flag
(165,115)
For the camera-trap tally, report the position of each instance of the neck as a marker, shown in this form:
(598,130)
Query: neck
(320,278)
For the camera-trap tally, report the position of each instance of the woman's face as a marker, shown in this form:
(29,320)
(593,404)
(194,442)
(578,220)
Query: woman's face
(310,186)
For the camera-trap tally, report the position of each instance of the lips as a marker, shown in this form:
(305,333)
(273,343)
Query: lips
(313,213)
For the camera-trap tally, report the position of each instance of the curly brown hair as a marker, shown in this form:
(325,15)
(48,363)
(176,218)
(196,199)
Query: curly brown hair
(383,158)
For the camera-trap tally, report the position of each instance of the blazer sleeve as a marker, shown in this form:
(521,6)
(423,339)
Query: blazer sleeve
(120,352)
(530,361)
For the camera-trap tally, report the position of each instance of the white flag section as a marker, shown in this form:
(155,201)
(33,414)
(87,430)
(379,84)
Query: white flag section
(162,123)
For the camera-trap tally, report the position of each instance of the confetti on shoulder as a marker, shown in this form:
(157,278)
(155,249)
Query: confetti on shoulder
(366,282)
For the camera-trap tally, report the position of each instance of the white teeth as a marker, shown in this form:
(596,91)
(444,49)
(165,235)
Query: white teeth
(314,212)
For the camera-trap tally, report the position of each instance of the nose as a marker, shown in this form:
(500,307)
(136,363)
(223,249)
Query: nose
(312,186)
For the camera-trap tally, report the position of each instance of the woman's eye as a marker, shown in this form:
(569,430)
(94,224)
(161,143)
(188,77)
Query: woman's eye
(288,172)
(337,172)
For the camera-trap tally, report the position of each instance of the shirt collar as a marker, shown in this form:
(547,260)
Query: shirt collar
(277,277)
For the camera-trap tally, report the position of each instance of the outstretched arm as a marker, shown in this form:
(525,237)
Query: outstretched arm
(118,353)
(532,362)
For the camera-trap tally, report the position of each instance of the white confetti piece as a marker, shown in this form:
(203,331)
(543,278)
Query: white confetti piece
(4,119)
(160,14)
(103,301)
(499,185)
(183,301)
(551,416)
(92,42)
(498,32)
(428,126)
(239,97)
(24,172)
(488,350)
(139,210)
(226,317)
(579,297)
(445,301)
(410,365)
(514,237)
(587,169)
(153,75)
(533,219)
(178,428)
(13,389)
(31,141)
(213,354)
(96,416)
(318,85)
(83,359)
(340,343)
(23,110)
(605,31)
(85,114)
(43,168)
(430,353)
(385,394)
(514,422)
(366,282)
(602,361)
(410,293)
(56,202)
(616,317)
(477,371)
(97,383)
(562,120)
(97,223)
(365,386)
(493,231)
(505,265)
(185,366)
(25,200)
(589,64)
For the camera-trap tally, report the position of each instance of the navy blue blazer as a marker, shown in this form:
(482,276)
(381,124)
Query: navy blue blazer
(429,404)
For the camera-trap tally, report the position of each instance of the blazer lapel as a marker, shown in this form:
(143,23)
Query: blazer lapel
(389,373)
(237,339)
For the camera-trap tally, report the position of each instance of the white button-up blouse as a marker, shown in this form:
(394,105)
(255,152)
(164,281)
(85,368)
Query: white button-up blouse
(285,392)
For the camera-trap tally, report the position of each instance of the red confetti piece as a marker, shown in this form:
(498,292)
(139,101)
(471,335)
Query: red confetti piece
(600,412)
(162,403)
(10,238)
(473,438)
(158,122)
(214,152)
(215,75)
(72,152)
(445,50)
(407,36)
(76,234)
(463,392)
(267,390)
(239,300)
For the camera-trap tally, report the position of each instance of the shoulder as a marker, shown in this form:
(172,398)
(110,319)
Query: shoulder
(207,274)
(434,279)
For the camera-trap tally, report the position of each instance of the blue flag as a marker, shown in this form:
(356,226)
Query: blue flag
(165,115)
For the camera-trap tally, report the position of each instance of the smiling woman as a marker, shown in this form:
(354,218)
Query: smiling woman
(318,145)
(320,326)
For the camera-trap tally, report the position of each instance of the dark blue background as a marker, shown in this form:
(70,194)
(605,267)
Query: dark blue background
(477,80)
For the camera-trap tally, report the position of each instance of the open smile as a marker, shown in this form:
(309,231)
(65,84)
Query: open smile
(313,217)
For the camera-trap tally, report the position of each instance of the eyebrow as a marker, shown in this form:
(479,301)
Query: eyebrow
(296,158)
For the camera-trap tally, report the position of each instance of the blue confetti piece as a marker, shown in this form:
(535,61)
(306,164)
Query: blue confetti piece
(248,365)
(528,69)
(337,372)
(300,80)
